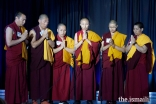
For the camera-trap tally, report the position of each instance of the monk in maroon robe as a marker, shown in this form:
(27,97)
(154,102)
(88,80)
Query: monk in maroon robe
(87,45)
(40,65)
(15,83)
(112,82)
(140,61)
(61,67)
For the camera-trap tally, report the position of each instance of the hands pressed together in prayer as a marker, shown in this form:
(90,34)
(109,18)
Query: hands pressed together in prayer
(85,35)
(63,44)
(24,36)
(45,34)
(111,43)
(132,39)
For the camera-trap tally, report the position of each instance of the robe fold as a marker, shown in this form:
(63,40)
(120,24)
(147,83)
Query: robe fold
(40,70)
(61,71)
(16,90)
(86,58)
(139,65)
(112,79)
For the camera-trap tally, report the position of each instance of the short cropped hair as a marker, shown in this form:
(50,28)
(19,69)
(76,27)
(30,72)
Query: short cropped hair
(140,24)
(18,14)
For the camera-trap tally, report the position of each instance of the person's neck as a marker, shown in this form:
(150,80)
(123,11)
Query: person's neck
(112,33)
(139,35)
(62,37)
(41,28)
(17,24)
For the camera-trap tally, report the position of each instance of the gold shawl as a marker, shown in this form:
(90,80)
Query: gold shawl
(142,40)
(85,52)
(119,40)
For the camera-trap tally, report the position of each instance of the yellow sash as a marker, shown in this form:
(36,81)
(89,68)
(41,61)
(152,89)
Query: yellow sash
(67,57)
(24,50)
(48,52)
(142,40)
(85,52)
(119,40)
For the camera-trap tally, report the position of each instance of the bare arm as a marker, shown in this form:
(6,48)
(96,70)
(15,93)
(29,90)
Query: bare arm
(128,47)
(51,43)
(122,49)
(77,44)
(10,42)
(103,48)
(55,50)
(35,43)
(142,49)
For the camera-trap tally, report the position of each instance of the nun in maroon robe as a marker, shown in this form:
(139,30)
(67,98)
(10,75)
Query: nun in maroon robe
(85,82)
(61,71)
(138,68)
(140,61)
(112,79)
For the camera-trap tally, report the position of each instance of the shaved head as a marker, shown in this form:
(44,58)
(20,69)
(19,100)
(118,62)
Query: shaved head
(43,16)
(84,19)
(60,24)
(113,22)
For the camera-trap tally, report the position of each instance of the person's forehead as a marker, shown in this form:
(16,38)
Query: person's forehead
(62,27)
(84,21)
(136,26)
(112,23)
(44,19)
(22,16)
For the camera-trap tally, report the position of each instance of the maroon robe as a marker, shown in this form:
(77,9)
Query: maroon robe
(15,83)
(40,71)
(85,88)
(61,77)
(112,82)
(137,75)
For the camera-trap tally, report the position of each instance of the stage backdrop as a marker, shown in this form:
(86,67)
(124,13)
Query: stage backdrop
(69,12)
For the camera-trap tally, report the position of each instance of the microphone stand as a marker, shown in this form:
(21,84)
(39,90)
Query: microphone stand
(74,74)
(101,62)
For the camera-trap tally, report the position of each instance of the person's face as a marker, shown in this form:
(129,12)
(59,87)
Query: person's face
(61,30)
(112,27)
(21,20)
(137,30)
(84,24)
(43,22)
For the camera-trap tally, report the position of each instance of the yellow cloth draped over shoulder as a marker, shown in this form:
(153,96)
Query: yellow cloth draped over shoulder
(85,52)
(142,40)
(67,57)
(48,51)
(119,40)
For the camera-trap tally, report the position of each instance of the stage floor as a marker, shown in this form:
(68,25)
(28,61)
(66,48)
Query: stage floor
(151,94)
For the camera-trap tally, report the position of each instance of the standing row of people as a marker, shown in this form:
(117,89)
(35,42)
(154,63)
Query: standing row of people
(52,55)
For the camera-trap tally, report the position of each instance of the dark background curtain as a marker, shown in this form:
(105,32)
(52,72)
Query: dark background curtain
(69,12)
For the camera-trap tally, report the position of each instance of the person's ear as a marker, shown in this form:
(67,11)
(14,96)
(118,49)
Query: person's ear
(142,29)
(39,20)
